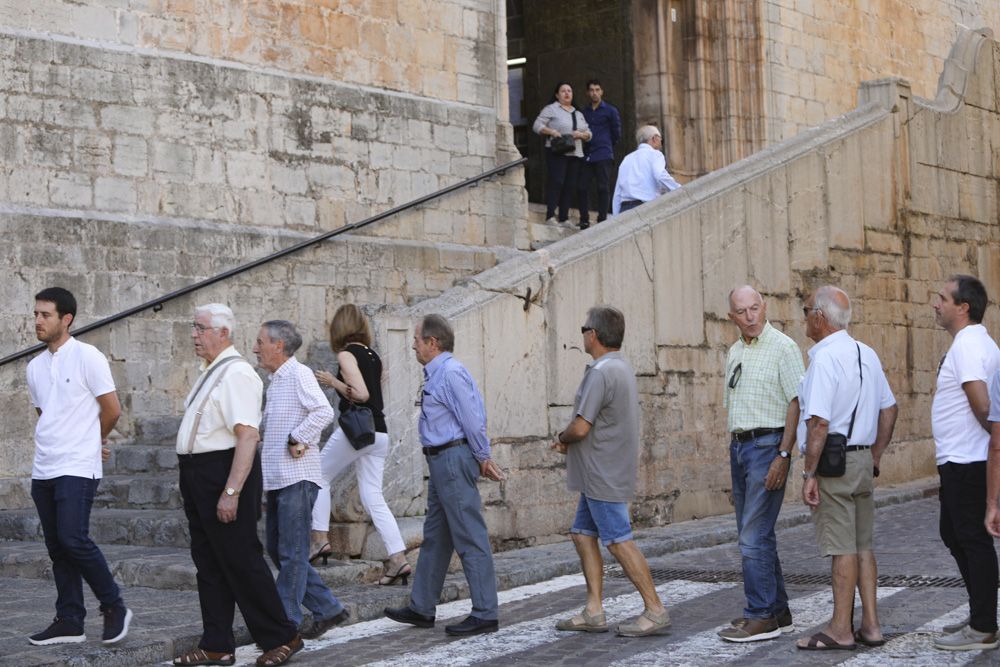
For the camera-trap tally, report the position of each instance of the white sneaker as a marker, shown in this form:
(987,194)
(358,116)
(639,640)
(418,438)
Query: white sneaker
(967,639)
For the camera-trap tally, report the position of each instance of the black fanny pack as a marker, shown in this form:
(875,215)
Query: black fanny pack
(833,459)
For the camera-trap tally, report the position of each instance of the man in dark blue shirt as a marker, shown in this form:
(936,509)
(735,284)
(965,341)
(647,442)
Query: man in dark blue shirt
(606,127)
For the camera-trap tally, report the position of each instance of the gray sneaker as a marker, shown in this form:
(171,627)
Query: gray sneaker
(955,627)
(784,621)
(967,639)
(752,630)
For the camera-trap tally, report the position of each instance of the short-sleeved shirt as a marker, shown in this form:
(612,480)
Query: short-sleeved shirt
(770,371)
(65,386)
(235,400)
(605,464)
(958,435)
(295,407)
(830,389)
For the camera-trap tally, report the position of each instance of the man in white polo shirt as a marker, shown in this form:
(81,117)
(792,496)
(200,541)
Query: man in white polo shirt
(74,395)
(959,421)
(844,393)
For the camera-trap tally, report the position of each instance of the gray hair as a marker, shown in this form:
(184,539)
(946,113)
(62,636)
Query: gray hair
(646,133)
(284,331)
(836,314)
(438,326)
(222,315)
(608,324)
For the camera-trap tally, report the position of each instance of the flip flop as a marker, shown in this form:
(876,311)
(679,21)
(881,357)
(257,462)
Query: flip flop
(860,638)
(828,644)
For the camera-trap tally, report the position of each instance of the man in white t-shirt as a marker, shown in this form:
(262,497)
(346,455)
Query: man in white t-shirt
(74,395)
(959,421)
(844,392)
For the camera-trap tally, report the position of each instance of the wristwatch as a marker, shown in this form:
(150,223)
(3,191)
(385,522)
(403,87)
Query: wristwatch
(785,455)
(230,491)
(808,475)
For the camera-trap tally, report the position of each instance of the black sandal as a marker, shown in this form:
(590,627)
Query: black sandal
(323,552)
(390,579)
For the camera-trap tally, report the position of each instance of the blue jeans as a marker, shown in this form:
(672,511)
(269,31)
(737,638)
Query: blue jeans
(600,518)
(63,505)
(756,512)
(289,512)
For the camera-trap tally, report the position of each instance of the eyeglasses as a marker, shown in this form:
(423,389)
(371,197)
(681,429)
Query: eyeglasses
(584,330)
(808,309)
(201,328)
(737,374)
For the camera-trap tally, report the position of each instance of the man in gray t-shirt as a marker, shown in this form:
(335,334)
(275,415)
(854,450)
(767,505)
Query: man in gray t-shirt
(601,445)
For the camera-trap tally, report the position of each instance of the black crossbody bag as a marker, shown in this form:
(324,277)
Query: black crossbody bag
(562,144)
(833,460)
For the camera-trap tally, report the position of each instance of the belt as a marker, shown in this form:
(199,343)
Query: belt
(207,456)
(857,448)
(437,449)
(753,434)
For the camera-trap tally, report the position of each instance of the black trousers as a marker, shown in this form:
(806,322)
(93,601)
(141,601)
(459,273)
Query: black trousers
(229,557)
(600,173)
(560,186)
(963,510)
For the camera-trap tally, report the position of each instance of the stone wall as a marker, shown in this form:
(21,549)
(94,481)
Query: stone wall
(440,49)
(818,52)
(886,202)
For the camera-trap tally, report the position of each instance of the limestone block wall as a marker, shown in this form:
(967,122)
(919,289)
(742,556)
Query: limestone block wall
(90,128)
(112,263)
(818,52)
(886,201)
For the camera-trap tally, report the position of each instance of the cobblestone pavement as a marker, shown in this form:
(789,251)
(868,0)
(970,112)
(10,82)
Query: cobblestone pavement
(701,587)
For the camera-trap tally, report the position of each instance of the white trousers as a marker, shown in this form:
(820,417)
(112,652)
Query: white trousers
(334,459)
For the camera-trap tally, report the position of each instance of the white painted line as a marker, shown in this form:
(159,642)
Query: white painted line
(246,655)
(916,649)
(707,648)
(540,631)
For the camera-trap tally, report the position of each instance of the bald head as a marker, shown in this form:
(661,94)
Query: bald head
(747,311)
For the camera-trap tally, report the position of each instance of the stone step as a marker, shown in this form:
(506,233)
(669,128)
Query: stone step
(143,492)
(149,527)
(164,568)
(544,233)
(129,459)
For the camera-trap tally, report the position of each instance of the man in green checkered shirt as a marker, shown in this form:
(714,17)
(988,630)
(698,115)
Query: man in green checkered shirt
(763,371)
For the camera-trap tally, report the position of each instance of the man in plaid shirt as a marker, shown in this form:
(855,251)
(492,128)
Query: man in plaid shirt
(295,414)
(763,370)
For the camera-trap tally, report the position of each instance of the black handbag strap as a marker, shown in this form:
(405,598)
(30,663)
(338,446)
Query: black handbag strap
(861,377)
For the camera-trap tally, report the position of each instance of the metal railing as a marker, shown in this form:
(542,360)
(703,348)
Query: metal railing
(157,304)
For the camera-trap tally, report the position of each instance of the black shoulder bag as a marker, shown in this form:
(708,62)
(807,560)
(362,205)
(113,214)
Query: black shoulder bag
(563,144)
(833,460)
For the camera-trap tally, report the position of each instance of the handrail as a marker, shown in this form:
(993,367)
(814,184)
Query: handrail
(157,304)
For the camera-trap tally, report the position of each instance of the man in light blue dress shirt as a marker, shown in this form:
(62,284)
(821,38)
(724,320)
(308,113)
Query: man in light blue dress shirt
(453,434)
(642,175)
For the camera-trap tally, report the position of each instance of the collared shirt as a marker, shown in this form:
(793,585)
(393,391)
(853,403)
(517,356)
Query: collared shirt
(770,371)
(958,435)
(830,389)
(295,406)
(452,407)
(605,464)
(642,176)
(235,400)
(606,127)
(554,117)
(65,387)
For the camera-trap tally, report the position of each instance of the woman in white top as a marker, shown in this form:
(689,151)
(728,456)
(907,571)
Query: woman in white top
(561,118)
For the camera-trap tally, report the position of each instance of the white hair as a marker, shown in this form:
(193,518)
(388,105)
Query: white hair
(222,315)
(646,133)
(826,300)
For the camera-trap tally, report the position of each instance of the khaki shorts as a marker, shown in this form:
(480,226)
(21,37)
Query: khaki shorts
(846,509)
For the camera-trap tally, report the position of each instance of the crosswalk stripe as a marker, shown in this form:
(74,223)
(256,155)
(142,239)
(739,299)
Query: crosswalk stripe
(707,648)
(916,649)
(528,634)
(246,655)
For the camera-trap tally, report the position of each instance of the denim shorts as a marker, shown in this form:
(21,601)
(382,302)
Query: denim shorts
(598,518)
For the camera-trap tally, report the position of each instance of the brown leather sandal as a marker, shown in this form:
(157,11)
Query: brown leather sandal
(280,654)
(202,657)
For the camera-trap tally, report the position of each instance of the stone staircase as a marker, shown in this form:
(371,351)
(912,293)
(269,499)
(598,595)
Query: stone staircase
(544,233)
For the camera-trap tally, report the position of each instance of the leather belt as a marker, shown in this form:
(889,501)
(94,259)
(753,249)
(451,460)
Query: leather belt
(857,448)
(753,434)
(437,449)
